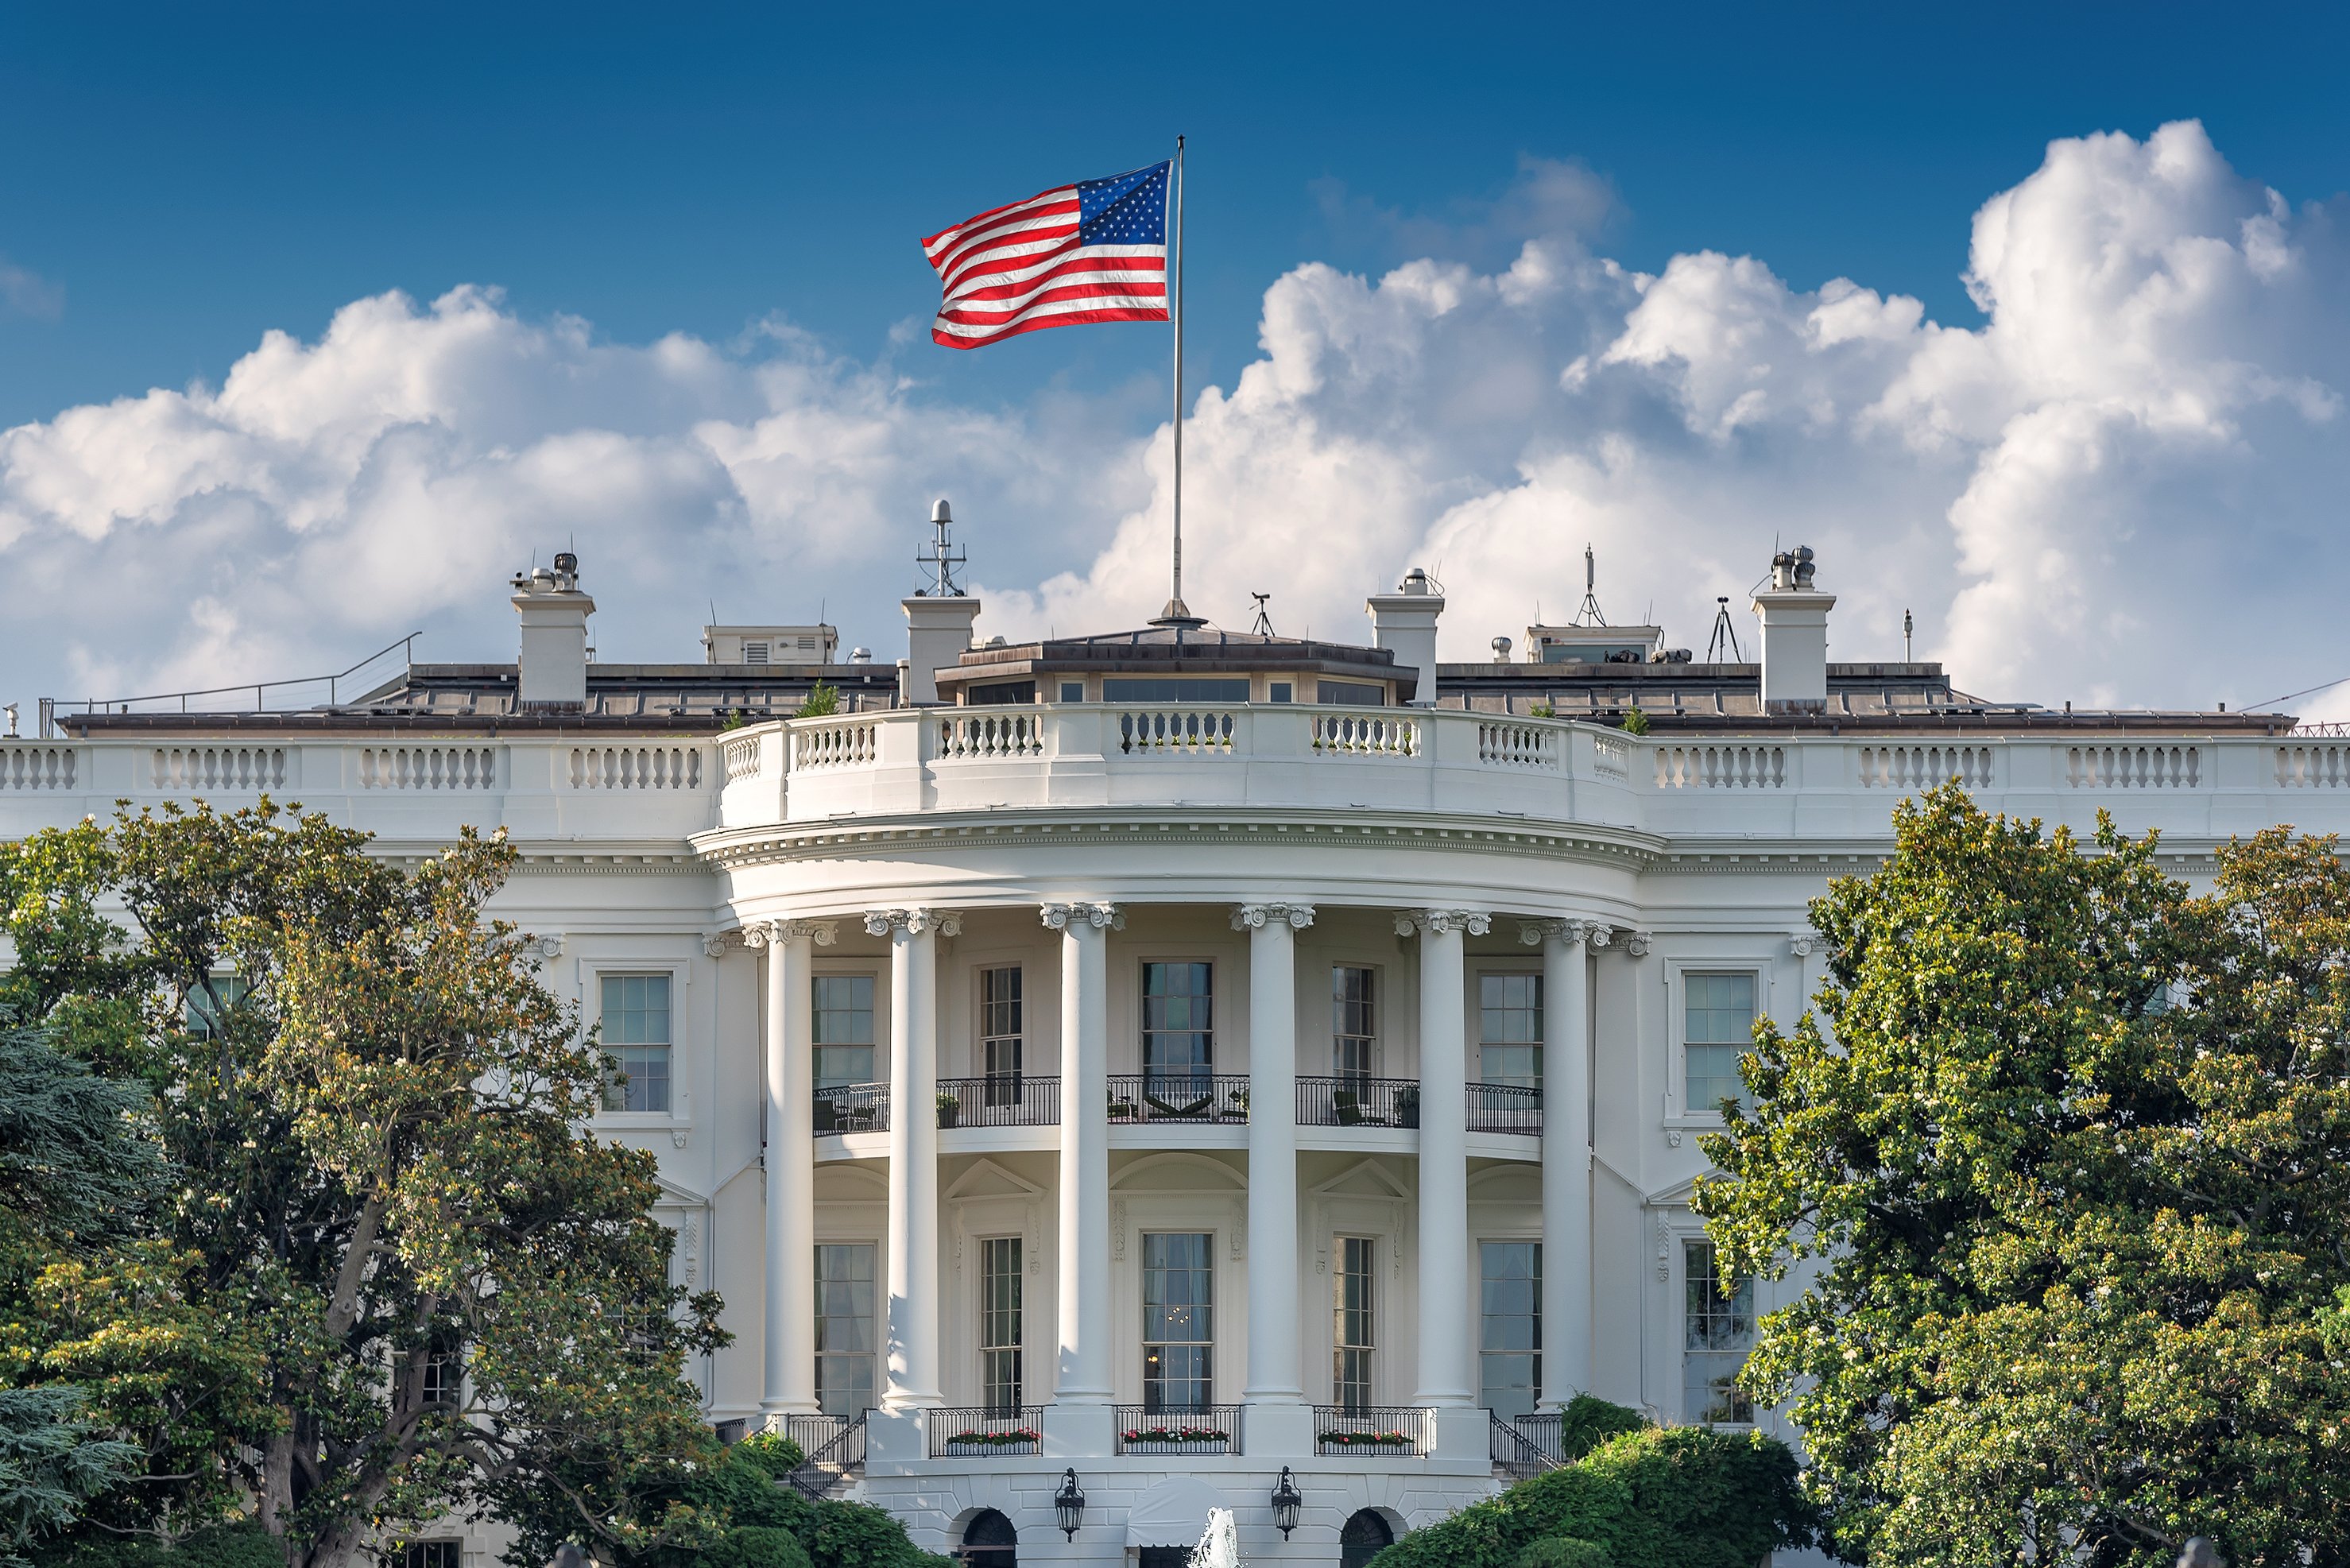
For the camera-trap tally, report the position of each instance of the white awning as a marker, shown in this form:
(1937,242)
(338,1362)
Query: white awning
(1172,1513)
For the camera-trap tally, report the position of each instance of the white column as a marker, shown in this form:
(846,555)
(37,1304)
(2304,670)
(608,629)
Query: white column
(1079,1424)
(1447,1338)
(1566,1160)
(913,1331)
(1279,1424)
(789,1385)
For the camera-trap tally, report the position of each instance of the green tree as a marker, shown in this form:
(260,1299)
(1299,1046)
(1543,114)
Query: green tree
(52,1461)
(2061,1152)
(440,1277)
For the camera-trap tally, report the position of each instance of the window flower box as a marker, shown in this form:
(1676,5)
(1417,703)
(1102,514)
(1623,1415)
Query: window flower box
(1366,1439)
(1176,1435)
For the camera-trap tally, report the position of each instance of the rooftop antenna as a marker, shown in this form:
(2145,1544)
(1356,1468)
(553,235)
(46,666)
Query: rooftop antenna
(943,557)
(1725,634)
(1589,614)
(1907,626)
(1262,625)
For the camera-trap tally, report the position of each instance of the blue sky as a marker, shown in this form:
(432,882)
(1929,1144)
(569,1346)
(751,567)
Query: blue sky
(187,176)
(1431,235)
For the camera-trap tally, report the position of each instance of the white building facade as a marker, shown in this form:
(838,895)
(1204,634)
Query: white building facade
(1167,1061)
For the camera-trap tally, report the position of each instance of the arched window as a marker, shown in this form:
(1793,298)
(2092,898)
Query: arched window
(1365,1534)
(990,1541)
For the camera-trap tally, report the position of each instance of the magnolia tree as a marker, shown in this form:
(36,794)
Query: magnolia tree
(2067,1149)
(389,1270)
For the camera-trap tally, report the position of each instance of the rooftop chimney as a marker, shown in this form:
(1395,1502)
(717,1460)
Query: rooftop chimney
(555,611)
(1795,615)
(1404,623)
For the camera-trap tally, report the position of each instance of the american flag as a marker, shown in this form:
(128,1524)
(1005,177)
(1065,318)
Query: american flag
(1094,251)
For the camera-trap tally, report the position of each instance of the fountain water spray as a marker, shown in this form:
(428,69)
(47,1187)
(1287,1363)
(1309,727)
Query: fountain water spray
(1220,1546)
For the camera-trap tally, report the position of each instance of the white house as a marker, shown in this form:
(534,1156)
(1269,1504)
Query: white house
(1175,1061)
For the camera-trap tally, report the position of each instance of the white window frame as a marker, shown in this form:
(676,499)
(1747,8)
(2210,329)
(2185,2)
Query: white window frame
(1675,1229)
(877,972)
(1679,1113)
(680,1033)
(1473,1004)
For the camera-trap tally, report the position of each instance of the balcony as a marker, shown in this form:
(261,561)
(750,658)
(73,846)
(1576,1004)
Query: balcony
(1178,1098)
(980,1432)
(1371,1431)
(1352,1102)
(1002,1100)
(1505,1109)
(1206,1429)
(853,1109)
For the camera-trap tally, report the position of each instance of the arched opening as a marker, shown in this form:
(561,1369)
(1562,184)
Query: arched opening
(990,1541)
(1363,1538)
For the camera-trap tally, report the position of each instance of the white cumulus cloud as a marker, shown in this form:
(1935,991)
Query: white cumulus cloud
(2125,485)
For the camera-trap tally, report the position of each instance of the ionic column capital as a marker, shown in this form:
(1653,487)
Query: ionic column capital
(1083,917)
(912,922)
(1423,922)
(1256,917)
(776,933)
(1534,932)
(1636,944)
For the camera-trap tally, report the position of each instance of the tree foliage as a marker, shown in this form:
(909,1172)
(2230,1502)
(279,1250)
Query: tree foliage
(2063,1153)
(52,1461)
(397,1269)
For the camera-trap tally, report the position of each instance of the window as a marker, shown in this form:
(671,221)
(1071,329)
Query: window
(1154,689)
(1179,1322)
(1353,1328)
(1510,1331)
(1718,1319)
(208,1010)
(1349,694)
(999,1324)
(1073,690)
(1354,1040)
(843,1036)
(843,1327)
(989,1540)
(1179,1035)
(1281,692)
(1720,1028)
(1511,1030)
(445,1373)
(1001,693)
(999,1033)
(1365,1535)
(435,1554)
(637,1041)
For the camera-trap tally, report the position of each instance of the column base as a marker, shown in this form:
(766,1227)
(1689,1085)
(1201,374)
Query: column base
(1079,1431)
(897,1435)
(1277,1430)
(1460,1432)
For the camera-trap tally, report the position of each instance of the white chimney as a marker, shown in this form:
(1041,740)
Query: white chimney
(938,631)
(554,666)
(1795,615)
(1404,623)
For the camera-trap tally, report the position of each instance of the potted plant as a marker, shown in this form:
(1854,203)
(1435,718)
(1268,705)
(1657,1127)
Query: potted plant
(1180,1435)
(1335,1439)
(1239,1098)
(950,1111)
(1013,1437)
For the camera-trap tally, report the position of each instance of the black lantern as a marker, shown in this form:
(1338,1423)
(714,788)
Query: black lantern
(1069,1502)
(1286,1501)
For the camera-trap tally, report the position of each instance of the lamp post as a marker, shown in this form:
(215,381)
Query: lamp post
(1069,1504)
(1286,1501)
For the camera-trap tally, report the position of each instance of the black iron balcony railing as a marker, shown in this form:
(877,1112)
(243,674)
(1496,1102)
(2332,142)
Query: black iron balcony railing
(1165,1096)
(1546,1430)
(1399,1432)
(853,1107)
(1517,1455)
(975,1431)
(834,1450)
(999,1100)
(1206,1429)
(1505,1109)
(1348,1100)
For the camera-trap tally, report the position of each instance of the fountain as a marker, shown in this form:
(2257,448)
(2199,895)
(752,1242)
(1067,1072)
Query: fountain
(1220,1546)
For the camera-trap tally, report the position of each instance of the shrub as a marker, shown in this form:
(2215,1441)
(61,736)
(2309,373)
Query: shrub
(1589,1421)
(1673,1497)
(1634,721)
(858,1535)
(823,702)
(1565,1551)
(239,1545)
(756,1546)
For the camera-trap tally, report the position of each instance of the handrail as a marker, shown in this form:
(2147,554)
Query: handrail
(820,1471)
(1174,1095)
(1504,1109)
(92,704)
(1400,1431)
(1348,1100)
(1515,1453)
(1206,1429)
(1001,1100)
(966,1431)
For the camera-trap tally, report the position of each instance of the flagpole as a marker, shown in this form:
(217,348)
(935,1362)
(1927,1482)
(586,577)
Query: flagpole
(1175,609)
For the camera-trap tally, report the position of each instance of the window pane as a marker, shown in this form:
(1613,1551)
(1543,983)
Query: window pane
(1354,1035)
(1718,1323)
(1178,1321)
(1178,1036)
(635,1027)
(1510,1325)
(1510,1029)
(999,1324)
(204,1017)
(999,1033)
(845,1291)
(842,1030)
(1719,1028)
(1354,1324)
